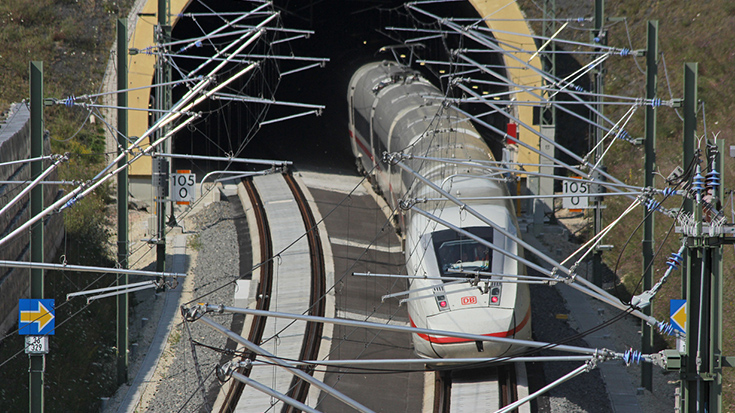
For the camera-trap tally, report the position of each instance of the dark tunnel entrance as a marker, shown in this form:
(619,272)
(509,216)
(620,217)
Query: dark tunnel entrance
(349,34)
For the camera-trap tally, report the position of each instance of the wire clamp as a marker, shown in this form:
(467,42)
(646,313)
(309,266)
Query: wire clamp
(591,365)
(224,372)
(393,158)
(406,204)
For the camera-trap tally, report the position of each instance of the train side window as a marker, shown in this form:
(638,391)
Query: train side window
(362,126)
(458,252)
(378,149)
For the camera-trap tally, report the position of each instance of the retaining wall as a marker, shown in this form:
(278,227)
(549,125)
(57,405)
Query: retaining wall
(15,282)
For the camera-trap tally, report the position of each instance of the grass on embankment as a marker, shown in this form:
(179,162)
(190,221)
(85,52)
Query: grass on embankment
(688,32)
(73,39)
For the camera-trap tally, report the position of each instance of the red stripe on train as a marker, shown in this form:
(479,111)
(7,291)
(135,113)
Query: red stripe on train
(456,340)
(362,146)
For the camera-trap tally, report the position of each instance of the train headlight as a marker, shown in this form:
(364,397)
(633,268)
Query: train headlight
(441,302)
(495,291)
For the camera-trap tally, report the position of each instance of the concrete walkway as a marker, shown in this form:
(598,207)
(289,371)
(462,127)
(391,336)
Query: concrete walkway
(289,294)
(169,317)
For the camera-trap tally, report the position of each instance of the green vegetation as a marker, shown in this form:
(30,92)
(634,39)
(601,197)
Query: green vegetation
(73,39)
(706,40)
(194,242)
(688,32)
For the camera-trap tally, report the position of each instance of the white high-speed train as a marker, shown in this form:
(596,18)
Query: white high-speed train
(392,108)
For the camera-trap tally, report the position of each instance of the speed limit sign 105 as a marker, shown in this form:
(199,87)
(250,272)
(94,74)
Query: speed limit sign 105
(572,191)
(183,185)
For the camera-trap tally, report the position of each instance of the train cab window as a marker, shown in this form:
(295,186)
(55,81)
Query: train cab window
(458,252)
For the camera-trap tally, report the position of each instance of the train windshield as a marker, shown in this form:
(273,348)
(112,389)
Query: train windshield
(455,251)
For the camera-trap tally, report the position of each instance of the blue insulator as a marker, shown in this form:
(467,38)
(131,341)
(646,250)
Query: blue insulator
(632,356)
(597,39)
(69,203)
(675,261)
(713,179)
(69,102)
(580,19)
(698,182)
(665,328)
(656,102)
(578,88)
(198,43)
(652,205)
(625,51)
(624,135)
(669,191)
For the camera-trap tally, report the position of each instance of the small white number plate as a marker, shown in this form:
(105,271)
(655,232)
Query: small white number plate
(36,344)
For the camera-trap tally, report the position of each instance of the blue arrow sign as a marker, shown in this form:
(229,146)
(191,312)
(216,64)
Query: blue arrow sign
(678,314)
(36,317)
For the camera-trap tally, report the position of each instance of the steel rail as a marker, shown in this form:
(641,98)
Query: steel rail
(283,364)
(257,327)
(574,373)
(507,384)
(292,403)
(299,389)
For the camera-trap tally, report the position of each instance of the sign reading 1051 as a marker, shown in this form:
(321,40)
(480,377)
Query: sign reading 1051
(572,191)
(183,187)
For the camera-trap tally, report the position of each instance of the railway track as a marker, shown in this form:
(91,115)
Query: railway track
(264,290)
(317,305)
(467,390)
(312,337)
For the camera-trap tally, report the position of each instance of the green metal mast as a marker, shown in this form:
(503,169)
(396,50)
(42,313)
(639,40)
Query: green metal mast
(548,112)
(647,247)
(701,373)
(122,200)
(601,38)
(161,168)
(37,361)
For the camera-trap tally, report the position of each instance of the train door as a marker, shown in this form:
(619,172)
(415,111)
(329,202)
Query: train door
(375,142)
(351,124)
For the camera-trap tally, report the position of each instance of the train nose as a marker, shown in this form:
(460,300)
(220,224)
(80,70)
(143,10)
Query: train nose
(492,322)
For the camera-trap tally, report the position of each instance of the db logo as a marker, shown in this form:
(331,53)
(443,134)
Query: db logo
(469,300)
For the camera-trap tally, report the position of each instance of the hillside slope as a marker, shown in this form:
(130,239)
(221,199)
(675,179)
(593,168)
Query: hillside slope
(688,32)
